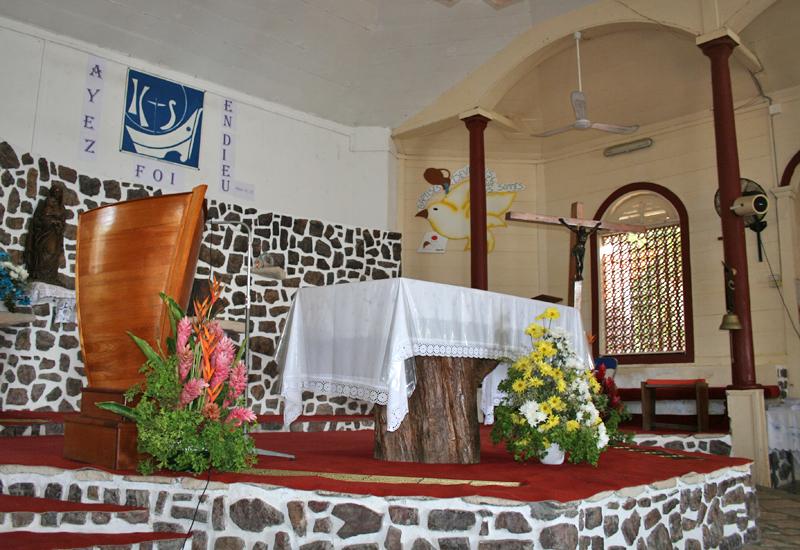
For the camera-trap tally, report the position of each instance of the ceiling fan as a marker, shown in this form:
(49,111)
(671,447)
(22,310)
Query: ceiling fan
(578,100)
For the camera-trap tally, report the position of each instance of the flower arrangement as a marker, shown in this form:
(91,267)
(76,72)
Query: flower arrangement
(550,398)
(191,414)
(13,283)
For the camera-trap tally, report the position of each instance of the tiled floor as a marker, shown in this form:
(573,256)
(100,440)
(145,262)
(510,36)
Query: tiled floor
(779,518)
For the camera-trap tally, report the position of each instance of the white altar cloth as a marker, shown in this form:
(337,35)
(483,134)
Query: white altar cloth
(356,339)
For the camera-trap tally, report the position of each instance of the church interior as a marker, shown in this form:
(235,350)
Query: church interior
(388,192)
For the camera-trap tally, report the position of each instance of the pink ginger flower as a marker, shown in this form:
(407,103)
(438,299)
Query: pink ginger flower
(192,390)
(185,361)
(220,375)
(223,355)
(184,332)
(238,380)
(241,414)
(216,330)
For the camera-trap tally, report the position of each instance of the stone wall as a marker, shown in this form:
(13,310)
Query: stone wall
(717,510)
(41,364)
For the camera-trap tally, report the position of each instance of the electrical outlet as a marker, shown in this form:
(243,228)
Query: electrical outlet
(775,109)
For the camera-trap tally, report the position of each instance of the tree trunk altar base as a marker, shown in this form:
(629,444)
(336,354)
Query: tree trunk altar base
(442,423)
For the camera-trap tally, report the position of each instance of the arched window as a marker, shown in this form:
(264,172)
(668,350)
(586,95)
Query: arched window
(641,304)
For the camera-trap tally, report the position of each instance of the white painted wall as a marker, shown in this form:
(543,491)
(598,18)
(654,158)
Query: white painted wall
(299,164)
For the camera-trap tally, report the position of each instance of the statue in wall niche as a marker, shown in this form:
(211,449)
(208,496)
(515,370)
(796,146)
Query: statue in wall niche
(44,246)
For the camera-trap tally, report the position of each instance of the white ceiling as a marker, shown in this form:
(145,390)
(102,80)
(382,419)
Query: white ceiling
(358,62)
(378,62)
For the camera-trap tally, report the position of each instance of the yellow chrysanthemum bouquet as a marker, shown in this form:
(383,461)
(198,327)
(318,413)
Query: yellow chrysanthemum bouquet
(552,401)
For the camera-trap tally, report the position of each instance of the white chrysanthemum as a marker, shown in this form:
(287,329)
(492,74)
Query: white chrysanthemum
(530,410)
(558,332)
(589,414)
(580,387)
(574,363)
(602,436)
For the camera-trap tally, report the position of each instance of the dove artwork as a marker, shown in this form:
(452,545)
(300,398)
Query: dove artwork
(449,216)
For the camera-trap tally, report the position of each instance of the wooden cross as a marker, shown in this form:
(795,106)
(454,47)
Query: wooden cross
(581,229)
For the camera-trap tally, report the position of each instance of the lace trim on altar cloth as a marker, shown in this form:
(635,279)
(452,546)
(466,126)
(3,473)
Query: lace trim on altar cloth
(394,417)
(474,352)
(355,391)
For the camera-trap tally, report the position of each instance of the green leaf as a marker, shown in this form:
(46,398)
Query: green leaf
(146,349)
(117,408)
(241,351)
(175,315)
(175,311)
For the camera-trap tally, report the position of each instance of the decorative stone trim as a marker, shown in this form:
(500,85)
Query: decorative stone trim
(716,510)
(715,444)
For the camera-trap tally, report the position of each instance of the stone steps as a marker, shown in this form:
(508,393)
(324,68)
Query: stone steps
(29,540)
(17,424)
(42,523)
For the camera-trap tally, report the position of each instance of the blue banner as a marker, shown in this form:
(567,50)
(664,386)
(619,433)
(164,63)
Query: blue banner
(163,119)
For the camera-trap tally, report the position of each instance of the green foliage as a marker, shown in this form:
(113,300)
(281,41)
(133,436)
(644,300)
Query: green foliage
(184,440)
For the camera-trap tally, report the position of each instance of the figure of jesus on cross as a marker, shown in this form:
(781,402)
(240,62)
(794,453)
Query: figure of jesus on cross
(581,230)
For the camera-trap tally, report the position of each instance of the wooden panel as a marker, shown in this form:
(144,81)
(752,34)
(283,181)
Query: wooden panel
(127,253)
(100,442)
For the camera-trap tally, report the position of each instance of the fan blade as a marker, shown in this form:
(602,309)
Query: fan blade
(556,131)
(578,104)
(615,128)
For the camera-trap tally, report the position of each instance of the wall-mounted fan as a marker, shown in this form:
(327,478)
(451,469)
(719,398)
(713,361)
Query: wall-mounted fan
(755,221)
(578,100)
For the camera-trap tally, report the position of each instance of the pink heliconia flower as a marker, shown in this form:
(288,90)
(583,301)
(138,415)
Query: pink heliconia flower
(238,380)
(223,355)
(185,360)
(184,332)
(241,414)
(192,390)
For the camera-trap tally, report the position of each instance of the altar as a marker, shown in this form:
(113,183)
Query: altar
(372,341)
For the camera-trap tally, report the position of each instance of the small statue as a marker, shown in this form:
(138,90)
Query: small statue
(45,244)
(582,233)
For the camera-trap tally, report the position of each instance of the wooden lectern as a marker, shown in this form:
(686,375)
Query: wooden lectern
(127,253)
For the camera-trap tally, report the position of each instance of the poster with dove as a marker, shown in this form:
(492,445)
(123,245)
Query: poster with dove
(445,206)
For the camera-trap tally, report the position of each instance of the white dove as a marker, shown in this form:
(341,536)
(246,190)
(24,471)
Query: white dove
(450,215)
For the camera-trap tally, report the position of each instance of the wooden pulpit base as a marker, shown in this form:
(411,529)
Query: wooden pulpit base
(98,436)
(442,423)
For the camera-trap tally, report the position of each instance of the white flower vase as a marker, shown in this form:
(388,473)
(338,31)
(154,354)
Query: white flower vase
(553,456)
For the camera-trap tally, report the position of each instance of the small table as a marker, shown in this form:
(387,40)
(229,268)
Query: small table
(649,400)
(390,342)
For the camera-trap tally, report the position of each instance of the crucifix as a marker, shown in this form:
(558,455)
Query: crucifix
(581,229)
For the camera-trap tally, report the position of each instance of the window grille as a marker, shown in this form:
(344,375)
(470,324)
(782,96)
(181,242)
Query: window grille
(642,289)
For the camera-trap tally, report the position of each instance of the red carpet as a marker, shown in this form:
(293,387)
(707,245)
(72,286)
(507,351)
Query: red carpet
(351,452)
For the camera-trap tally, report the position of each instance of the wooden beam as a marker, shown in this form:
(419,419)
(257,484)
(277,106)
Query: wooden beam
(556,220)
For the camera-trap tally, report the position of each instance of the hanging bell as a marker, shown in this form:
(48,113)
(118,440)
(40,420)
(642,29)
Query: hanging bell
(730,321)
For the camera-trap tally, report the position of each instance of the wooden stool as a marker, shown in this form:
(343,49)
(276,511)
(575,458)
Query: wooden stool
(649,400)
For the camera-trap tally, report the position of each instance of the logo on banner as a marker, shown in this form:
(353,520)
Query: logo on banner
(162,119)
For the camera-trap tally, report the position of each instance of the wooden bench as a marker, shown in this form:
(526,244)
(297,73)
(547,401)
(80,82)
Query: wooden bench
(649,398)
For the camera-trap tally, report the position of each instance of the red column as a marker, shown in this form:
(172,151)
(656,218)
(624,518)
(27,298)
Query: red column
(743,371)
(476,124)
